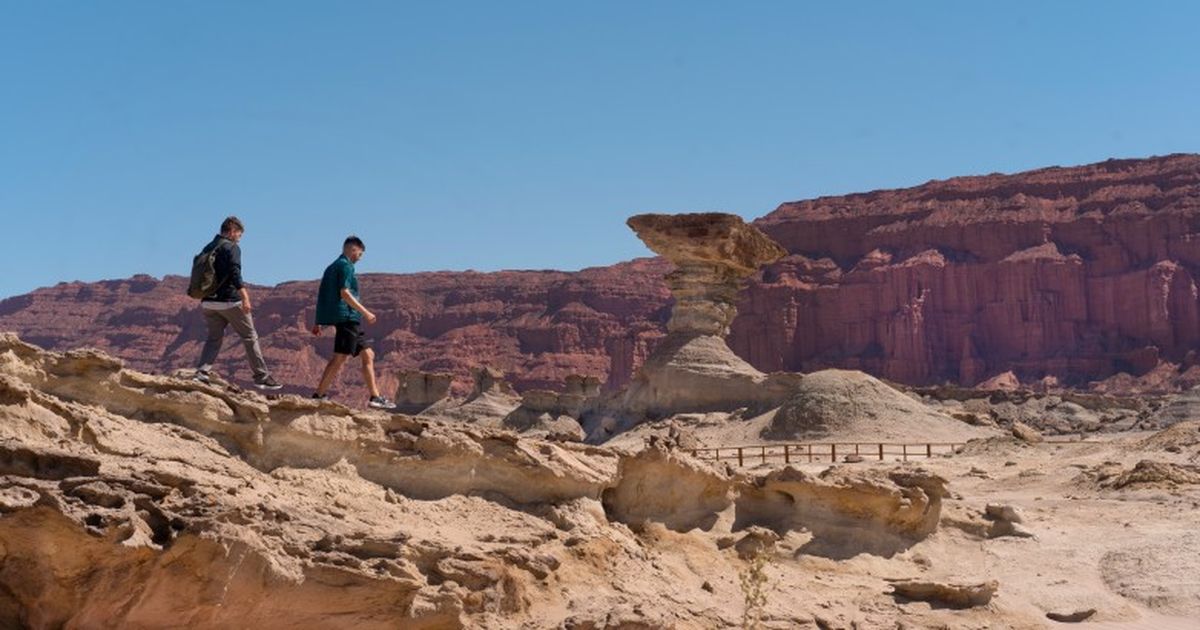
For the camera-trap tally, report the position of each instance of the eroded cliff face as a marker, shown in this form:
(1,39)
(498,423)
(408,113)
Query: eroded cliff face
(1076,274)
(1073,273)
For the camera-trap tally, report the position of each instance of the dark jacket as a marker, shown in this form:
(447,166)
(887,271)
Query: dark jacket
(228,265)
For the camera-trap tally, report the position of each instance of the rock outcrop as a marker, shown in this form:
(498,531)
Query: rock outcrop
(555,415)
(418,391)
(491,400)
(136,500)
(951,595)
(848,510)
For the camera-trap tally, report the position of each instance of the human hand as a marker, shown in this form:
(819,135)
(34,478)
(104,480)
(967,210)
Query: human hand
(316,331)
(370,317)
(246,307)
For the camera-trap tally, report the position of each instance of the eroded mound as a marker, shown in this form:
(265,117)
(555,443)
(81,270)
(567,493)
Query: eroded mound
(841,404)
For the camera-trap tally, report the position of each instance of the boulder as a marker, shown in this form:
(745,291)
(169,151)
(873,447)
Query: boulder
(848,510)
(1026,433)
(951,595)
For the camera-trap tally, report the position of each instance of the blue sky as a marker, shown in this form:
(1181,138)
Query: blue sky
(501,135)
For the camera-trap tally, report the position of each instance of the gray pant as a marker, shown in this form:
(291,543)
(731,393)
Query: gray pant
(243,325)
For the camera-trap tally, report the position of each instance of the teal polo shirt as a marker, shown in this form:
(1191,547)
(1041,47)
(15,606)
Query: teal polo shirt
(331,308)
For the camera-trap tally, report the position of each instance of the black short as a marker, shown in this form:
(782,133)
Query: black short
(349,339)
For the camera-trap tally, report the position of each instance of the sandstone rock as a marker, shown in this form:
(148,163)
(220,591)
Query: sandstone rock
(1004,382)
(700,374)
(1071,617)
(1026,433)
(849,510)
(582,385)
(665,486)
(489,380)
(1152,473)
(1006,520)
(947,594)
(491,400)
(692,369)
(547,413)
(555,414)
(1004,512)
(844,403)
(419,391)
(1182,407)
(974,419)
(1176,437)
(136,500)
(755,541)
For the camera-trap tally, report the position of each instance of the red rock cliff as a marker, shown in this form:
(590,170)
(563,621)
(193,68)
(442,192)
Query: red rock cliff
(1074,273)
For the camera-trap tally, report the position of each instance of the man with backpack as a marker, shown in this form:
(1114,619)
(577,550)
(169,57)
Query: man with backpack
(217,282)
(338,305)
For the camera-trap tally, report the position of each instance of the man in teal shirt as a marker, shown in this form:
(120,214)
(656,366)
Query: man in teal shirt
(338,305)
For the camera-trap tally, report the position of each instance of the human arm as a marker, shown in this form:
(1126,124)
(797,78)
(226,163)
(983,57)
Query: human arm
(356,305)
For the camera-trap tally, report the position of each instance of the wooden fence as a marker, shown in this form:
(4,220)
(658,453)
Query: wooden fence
(813,452)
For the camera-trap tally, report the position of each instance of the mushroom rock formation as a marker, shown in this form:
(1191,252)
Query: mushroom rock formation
(712,252)
(693,369)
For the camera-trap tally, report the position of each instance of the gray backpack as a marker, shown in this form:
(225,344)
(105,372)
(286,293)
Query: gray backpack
(204,274)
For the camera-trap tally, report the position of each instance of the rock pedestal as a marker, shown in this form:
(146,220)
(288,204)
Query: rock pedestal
(693,369)
(712,253)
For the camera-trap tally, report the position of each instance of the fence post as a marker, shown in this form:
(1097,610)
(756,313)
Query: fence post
(786,457)
(833,453)
(741,462)
(928,450)
(764,454)
(810,452)
(881,451)
(904,450)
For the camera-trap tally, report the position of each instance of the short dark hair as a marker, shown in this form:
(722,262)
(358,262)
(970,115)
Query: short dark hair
(232,223)
(355,241)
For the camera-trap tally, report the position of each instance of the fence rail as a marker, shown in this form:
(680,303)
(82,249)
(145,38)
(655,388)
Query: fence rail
(812,452)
